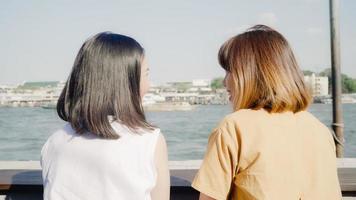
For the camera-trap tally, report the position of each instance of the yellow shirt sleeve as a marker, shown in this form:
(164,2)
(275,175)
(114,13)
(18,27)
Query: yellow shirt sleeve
(217,171)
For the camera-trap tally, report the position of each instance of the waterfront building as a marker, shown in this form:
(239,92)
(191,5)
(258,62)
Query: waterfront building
(319,85)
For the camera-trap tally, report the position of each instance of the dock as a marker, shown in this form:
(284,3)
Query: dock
(20,180)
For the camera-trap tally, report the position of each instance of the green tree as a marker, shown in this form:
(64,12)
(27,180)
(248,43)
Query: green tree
(348,84)
(217,83)
(307,72)
(326,72)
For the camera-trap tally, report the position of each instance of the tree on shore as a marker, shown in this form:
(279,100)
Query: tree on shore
(217,83)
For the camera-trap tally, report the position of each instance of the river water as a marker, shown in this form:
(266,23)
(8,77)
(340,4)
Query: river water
(23,131)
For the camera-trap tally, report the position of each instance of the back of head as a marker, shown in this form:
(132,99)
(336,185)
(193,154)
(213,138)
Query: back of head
(104,81)
(264,71)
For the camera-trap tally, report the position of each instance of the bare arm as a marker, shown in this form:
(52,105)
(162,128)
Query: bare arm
(205,197)
(162,189)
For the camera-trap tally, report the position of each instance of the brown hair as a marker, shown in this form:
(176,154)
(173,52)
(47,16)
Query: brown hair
(104,82)
(265,73)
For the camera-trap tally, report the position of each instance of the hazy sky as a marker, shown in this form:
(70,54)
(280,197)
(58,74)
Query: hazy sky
(40,39)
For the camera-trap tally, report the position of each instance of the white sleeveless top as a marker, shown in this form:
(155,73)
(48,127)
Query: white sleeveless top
(86,167)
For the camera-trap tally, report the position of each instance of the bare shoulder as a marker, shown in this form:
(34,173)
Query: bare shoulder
(161,141)
(161,148)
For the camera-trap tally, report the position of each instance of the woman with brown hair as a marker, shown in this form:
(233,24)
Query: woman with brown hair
(270,147)
(107,149)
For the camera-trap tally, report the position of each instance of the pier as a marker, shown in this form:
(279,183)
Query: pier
(22,180)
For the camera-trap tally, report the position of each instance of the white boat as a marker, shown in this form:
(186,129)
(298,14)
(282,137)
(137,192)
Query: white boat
(153,102)
(169,106)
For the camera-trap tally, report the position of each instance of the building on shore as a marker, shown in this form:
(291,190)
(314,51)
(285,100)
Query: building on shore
(31,94)
(46,94)
(318,85)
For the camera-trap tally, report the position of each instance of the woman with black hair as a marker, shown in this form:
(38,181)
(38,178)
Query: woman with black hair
(107,150)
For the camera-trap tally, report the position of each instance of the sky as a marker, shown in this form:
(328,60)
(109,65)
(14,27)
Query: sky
(40,39)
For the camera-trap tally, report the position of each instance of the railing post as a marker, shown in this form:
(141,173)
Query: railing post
(338,124)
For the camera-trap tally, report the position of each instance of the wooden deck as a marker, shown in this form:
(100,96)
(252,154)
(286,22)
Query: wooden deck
(22,179)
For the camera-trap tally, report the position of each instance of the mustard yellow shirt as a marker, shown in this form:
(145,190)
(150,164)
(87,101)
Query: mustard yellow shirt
(253,154)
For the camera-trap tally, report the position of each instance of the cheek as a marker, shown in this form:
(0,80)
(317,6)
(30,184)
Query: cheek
(144,86)
(230,86)
(147,85)
(229,82)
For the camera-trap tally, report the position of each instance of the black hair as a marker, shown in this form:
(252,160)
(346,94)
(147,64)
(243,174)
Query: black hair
(104,81)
